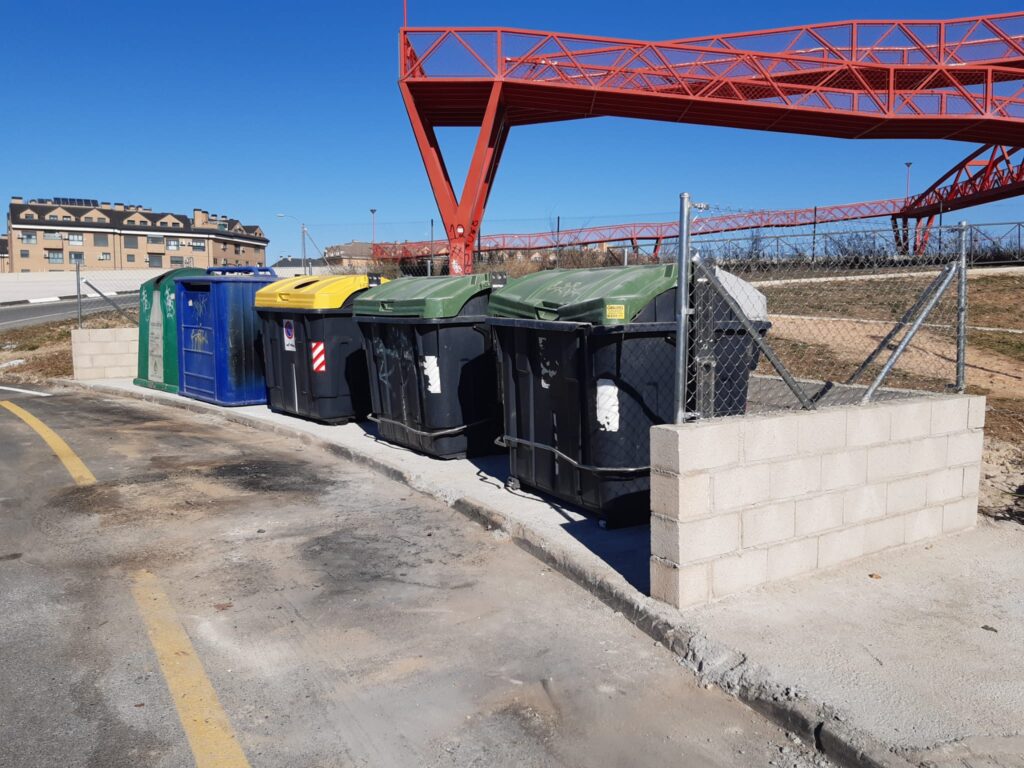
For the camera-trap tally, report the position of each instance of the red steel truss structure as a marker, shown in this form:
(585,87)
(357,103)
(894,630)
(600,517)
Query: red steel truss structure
(960,79)
(990,173)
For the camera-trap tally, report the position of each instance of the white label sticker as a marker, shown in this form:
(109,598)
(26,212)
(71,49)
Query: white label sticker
(432,374)
(288,327)
(607,405)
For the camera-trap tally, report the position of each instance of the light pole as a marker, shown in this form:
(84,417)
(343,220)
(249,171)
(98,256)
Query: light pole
(373,227)
(908,180)
(303,231)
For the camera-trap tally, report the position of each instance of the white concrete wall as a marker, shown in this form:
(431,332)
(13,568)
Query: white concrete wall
(105,353)
(38,285)
(742,501)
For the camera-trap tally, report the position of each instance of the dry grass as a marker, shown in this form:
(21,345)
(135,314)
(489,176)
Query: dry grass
(46,348)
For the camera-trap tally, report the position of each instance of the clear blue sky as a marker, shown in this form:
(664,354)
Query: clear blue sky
(259,107)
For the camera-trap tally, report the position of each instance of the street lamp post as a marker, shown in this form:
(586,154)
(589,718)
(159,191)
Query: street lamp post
(373,226)
(908,180)
(303,230)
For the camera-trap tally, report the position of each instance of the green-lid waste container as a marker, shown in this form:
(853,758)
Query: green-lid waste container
(432,373)
(587,359)
(158,331)
(313,355)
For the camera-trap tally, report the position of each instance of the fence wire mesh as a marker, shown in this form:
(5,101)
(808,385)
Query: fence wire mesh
(834,313)
(832,295)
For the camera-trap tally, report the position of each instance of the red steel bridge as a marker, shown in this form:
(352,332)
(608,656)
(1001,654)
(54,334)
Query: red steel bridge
(960,79)
(990,173)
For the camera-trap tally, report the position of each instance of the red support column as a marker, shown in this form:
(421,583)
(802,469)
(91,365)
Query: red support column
(462,217)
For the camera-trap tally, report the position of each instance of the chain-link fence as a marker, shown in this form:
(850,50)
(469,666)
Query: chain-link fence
(838,320)
(835,305)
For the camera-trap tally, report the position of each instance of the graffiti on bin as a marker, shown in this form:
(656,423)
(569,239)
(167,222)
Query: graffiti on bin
(199,305)
(568,289)
(169,305)
(144,302)
(389,357)
(199,339)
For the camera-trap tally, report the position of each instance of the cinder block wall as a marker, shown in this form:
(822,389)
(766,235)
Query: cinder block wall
(105,353)
(746,500)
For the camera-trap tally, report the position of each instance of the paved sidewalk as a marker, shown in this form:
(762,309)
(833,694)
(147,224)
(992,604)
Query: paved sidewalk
(919,666)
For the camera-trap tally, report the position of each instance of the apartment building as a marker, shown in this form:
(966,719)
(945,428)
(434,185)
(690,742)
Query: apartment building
(51,235)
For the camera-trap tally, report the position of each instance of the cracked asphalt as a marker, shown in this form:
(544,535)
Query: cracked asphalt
(341,618)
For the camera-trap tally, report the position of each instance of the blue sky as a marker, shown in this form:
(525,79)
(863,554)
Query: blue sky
(262,107)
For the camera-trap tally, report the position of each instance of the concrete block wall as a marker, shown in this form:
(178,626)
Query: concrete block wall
(742,501)
(105,353)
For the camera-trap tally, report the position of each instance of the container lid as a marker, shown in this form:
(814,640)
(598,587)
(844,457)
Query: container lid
(173,274)
(606,296)
(233,275)
(429,297)
(305,292)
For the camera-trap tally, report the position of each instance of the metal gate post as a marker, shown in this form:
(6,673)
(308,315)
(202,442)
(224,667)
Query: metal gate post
(704,346)
(961,314)
(78,289)
(683,308)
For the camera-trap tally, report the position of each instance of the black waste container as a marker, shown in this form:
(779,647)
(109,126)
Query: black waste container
(587,361)
(432,372)
(314,362)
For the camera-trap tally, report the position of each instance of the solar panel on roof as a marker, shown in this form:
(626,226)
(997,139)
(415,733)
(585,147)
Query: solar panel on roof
(78,201)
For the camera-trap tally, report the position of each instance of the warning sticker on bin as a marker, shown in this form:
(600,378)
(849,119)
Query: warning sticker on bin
(319,357)
(615,311)
(288,326)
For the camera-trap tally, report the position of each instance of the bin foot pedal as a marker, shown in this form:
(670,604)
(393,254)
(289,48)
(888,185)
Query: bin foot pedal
(512,483)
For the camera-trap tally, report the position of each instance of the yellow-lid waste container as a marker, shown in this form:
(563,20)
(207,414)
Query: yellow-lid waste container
(313,355)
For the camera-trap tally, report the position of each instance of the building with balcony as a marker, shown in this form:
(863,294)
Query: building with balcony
(50,235)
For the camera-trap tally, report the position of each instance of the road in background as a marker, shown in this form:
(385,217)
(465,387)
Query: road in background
(340,617)
(21,315)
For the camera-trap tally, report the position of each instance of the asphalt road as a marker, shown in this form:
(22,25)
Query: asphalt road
(21,315)
(225,597)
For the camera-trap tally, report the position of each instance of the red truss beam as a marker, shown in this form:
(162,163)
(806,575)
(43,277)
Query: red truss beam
(960,79)
(990,173)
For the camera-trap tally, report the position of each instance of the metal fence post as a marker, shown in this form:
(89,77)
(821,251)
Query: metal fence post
(961,313)
(78,289)
(683,307)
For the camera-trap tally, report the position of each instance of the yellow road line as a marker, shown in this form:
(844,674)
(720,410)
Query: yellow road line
(74,465)
(213,742)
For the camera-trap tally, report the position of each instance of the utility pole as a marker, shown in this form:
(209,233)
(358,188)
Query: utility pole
(302,232)
(304,250)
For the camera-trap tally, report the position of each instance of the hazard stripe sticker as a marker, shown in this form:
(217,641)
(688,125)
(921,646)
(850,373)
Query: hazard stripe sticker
(319,357)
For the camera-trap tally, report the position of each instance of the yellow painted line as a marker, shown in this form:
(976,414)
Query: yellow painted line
(74,465)
(213,742)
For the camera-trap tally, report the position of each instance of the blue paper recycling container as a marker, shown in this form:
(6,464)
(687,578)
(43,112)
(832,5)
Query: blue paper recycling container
(220,357)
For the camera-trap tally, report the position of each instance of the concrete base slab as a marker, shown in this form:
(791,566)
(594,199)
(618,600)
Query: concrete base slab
(890,671)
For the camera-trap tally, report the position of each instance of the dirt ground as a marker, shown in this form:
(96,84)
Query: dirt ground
(36,353)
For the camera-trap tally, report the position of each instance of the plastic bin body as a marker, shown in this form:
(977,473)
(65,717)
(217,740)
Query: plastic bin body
(220,356)
(433,380)
(158,331)
(314,359)
(580,399)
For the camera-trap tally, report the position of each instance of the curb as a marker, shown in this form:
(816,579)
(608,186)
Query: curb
(712,662)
